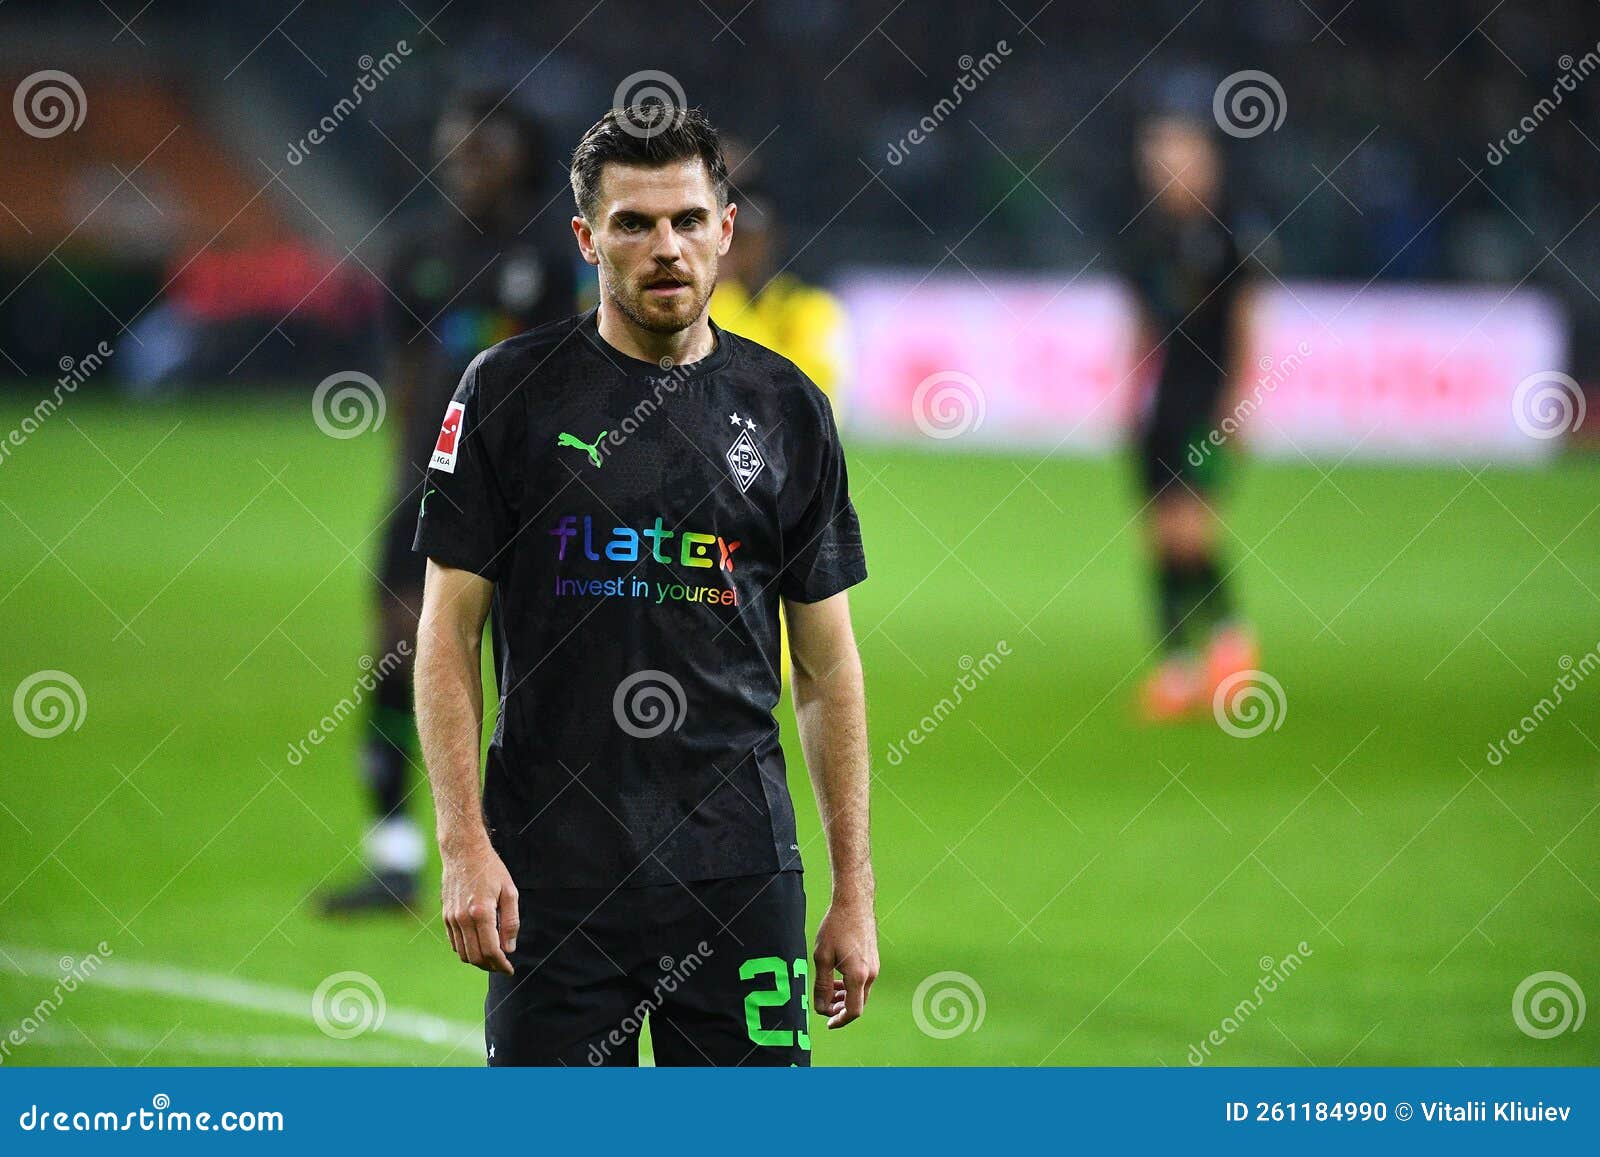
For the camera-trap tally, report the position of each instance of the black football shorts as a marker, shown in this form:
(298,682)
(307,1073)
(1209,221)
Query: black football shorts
(1174,449)
(718,968)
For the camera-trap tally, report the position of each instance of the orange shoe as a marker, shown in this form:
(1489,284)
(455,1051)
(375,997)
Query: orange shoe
(1233,649)
(1172,692)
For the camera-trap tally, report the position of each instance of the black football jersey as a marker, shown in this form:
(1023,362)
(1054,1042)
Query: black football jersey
(640,523)
(452,292)
(1186,273)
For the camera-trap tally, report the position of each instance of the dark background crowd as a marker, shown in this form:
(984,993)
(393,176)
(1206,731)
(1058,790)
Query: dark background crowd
(1379,169)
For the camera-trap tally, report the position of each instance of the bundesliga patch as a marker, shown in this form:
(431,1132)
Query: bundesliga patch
(744,460)
(444,450)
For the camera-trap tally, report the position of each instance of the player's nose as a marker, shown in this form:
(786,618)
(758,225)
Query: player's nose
(665,248)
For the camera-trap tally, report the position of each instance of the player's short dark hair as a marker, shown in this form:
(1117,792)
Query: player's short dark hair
(651,135)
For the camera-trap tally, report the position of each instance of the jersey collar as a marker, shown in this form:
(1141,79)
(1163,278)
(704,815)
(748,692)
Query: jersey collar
(634,367)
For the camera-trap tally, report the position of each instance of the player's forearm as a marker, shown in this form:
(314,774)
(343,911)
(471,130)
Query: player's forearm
(830,708)
(449,696)
(1145,349)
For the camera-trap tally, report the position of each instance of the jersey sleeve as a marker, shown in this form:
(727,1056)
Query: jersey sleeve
(822,550)
(468,516)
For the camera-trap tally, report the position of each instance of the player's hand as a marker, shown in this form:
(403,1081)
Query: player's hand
(480,907)
(847,942)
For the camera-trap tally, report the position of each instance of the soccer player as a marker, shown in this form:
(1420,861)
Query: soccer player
(632,492)
(467,278)
(1186,272)
(804,323)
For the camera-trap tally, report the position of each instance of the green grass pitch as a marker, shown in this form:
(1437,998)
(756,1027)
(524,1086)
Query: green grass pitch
(1112,893)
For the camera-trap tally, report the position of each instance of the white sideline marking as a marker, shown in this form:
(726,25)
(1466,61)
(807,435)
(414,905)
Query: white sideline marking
(231,992)
(274,1047)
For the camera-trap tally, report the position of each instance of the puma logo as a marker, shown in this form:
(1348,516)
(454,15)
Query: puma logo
(579,444)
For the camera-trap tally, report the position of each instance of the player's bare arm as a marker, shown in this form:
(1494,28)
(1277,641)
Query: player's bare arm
(479,898)
(830,708)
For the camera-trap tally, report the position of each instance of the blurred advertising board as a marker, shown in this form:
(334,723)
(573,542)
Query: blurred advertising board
(1423,372)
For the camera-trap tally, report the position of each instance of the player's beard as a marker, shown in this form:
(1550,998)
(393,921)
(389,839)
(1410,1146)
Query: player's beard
(672,316)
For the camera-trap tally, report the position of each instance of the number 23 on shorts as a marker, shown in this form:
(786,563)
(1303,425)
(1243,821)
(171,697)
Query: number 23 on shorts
(777,994)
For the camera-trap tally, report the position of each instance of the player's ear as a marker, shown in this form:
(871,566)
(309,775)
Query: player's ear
(585,236)
(729,212)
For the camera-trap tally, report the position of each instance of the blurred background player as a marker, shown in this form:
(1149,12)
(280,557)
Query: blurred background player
(760,297)
(1185,270)
(477,271)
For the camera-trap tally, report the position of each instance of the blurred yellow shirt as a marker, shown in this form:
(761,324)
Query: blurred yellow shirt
(803,323)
